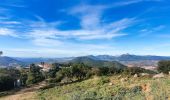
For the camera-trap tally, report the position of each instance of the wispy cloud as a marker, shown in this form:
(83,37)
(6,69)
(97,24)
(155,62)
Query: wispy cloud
(43,33)
(7,32)
(51,40)
(14,3)
(129,2)
(148,31)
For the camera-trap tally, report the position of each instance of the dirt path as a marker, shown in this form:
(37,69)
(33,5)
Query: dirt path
(25,93)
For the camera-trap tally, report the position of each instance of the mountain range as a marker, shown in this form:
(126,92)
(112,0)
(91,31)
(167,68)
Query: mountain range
(124,58)
(129,57)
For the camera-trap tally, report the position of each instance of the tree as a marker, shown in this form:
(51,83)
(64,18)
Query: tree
(34,75)
(52,72)
(75,71)
(6,82)
(79,71)
(164,66)
(7,78)
(23,76)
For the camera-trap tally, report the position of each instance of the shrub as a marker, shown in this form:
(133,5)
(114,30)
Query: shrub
(164,66)
(136,70)
(76,71)
(34,75)
(6,82)
(136,89)
(52,72)
(104,80)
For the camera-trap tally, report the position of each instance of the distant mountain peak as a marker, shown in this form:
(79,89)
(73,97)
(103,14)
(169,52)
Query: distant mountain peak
(127,54)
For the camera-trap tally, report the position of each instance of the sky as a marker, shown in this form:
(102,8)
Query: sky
(64,28)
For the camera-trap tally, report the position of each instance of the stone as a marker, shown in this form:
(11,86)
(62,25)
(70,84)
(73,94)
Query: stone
(110,84)
(144,74)
(136,75)
(123,79)
(160,75)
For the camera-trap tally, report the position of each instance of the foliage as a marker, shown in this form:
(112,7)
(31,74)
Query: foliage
(98,88)
(7,78)
(34,75)
(52,72)
(97,63)
(23,77)
(76,71)
(6,82)
(164,66)
(136,70)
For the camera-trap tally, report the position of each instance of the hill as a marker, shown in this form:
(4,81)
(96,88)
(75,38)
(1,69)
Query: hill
(8,61)
(100,88)
(97,63)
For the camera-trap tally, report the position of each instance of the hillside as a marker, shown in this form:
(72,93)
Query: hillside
(97,63)
(7,61)
(100,88)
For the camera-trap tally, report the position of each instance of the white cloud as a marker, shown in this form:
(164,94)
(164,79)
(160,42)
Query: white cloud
(129,2)
(148,31)
(9,22)
(46,42)
(107,31)
(7,32)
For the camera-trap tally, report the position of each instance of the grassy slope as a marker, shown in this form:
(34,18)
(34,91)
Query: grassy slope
(99,88)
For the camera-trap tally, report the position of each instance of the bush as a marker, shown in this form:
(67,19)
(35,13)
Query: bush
(136,70)
(136,89)
(34,75)
(6,82)
(76,71)
(52,72)
(104,80)
(164,66)
(126,92)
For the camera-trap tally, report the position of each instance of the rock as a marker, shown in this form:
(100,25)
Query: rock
(161,75)
(136,75)
(144,74)
(110,84)
(123,79)
(169,72)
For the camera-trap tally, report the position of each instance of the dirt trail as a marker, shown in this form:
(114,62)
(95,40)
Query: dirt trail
(25,93)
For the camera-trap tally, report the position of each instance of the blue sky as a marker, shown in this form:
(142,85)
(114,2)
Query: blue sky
(62,28)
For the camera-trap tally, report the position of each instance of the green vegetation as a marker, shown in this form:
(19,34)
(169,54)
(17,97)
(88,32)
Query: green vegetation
(136,70)
(83,80)
(7,78)
(164,66)
(6,82)
(34,75)
(99,88)
(97,63)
